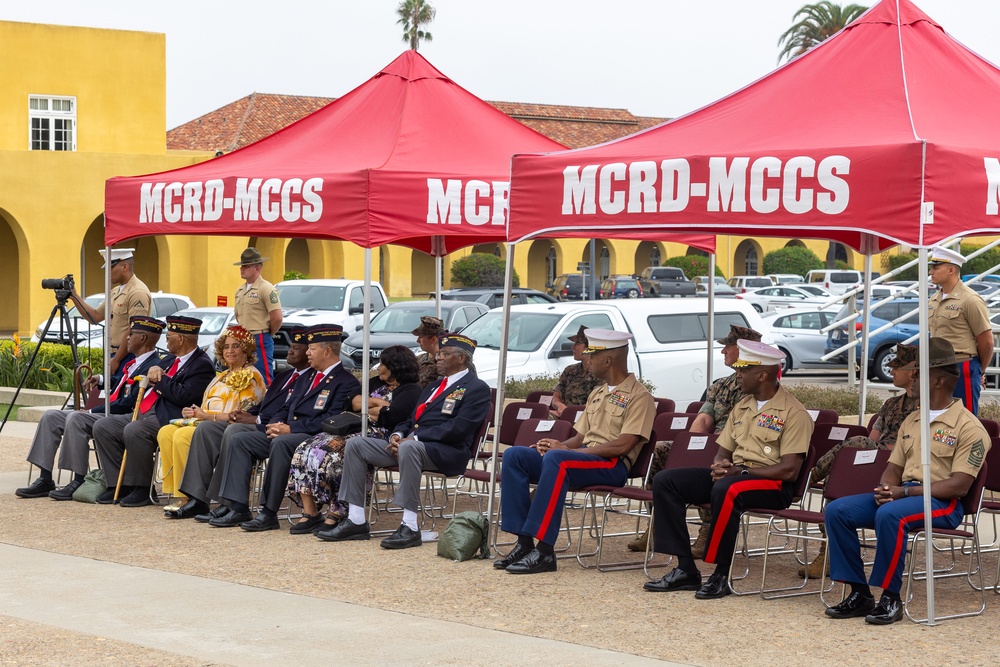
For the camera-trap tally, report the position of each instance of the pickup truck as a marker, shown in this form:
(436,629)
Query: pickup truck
(670,348)
(665,281)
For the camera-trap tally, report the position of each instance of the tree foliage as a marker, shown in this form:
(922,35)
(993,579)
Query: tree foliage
(413,15)
(815,23)
(979,264)
(791,259)
(691,265)
(896,261)
(480,269)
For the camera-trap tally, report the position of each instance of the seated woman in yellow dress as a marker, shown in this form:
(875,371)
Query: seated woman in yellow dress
(237,388)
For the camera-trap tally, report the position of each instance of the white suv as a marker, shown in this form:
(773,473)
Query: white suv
(837,281)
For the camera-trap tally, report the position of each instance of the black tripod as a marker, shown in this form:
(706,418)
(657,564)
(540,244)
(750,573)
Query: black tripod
(62,296)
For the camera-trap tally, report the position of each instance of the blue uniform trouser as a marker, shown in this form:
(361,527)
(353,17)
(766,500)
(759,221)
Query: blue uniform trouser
(555,473)
(892,522)
(265,355)
(970,378)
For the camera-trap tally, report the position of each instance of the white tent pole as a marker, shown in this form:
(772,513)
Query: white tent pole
(925,430)
(366,344)
(508,286)
(107,327)
(711,322)
(865,338)
(438,284)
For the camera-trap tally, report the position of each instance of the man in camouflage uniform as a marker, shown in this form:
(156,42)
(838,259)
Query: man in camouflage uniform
(576,381)
(428,335)
(719,401)
(882,436)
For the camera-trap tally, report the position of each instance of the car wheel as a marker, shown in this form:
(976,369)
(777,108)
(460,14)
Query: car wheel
(880,366)
(786,363)
(633,294)
(757,308)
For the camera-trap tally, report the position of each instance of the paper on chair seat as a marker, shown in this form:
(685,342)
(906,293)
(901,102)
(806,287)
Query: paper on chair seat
(864,456)
(545,425)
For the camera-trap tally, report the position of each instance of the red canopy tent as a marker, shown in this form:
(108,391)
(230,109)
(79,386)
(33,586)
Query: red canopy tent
(884,129)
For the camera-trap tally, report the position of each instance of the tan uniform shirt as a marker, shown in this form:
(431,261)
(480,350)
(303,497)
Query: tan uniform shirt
(958,444)
(761,437)
(629,409)
(253,305)
(959,318)
(132,298)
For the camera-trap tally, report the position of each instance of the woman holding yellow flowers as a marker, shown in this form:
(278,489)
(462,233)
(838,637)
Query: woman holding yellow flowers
(239,387)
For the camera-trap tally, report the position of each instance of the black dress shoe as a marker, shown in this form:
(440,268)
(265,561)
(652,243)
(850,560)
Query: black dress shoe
(189,510)
(675,580)
(404,538)
(716,587)
(219,512)
(260,523)
(65,493)
(517,553)
(139,497)
(886,612)
(853,606)
(231,519)
(108,496)
(308,525)
(346,530)
(533,563)
(37,489)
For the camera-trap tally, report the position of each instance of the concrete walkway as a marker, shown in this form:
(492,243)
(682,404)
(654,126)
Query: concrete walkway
(225,623)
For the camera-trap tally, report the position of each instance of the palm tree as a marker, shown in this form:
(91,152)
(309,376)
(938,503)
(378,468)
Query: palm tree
(816,23)
(412,15)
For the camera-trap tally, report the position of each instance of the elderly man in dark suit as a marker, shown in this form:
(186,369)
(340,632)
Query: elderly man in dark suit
(212,440)
(181,385)
(438,436)
(326,391)
(70,431)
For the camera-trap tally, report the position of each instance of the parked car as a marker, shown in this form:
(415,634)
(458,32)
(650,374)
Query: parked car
(816,290)
(743,283)
(837,281)
(621,287)
(669,349)
(492,297)
(785,278)
(569,287)
(393,324)
(657,281)
(88,334)
(213,320)
(881,345)
(783,296)
(798,333)
(318,301)
(722,288)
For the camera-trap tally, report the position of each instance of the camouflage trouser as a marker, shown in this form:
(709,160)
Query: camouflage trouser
(656,465)
(822,469)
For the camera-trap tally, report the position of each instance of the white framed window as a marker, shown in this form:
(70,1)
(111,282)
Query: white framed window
(51,123)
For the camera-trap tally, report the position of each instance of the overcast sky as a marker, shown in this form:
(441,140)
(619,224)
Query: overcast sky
(652,57)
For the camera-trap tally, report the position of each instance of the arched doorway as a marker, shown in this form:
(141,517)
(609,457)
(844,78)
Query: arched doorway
(297,258)
(605,257)
(795,243)
(746,259)
(647,253)
(421,274)
(10,258)
(541,264)
(91,276)
(695,252)
(491,248)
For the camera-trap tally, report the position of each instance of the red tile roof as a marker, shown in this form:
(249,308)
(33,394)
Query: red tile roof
(258,115)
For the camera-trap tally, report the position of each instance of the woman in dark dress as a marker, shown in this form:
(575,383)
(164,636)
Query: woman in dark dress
(318,463)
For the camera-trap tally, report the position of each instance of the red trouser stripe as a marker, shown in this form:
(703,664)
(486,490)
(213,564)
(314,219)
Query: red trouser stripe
(967,379)
(901,537)
(550,506)
(726,510)
(263,356)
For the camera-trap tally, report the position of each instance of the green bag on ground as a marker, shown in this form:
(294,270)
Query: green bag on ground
(466,533)
(93,486)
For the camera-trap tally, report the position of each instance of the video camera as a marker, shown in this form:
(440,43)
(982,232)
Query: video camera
(67,283)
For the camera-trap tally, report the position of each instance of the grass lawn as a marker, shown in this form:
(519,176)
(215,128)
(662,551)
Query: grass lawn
(13,413)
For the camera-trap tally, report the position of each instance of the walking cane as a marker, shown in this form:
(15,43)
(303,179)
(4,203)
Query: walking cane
(143,384)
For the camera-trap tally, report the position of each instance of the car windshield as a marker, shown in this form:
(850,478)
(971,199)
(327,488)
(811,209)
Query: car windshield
(527,330)
(759,282)
(92,301)
(402,319)
(813,289)
(322,297)
(211,322)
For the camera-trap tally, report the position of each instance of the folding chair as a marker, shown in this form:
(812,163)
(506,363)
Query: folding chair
(991,502)
(543,397)
(854,471)
(827,436)
(571,413)
(666,425)
(992,427)
(694,406)
(665,405)
(824,416)
(967,531)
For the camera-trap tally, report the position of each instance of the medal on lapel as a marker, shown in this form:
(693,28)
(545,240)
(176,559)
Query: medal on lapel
(321,400)
(449,406)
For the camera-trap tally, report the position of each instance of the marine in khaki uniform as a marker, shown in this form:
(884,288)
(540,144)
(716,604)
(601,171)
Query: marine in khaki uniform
(258,309)
(129,298)
(960,315)
(760,455)
(610,434)
(959,444)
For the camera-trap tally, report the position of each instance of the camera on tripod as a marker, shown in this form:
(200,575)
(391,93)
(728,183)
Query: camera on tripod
(66,283)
